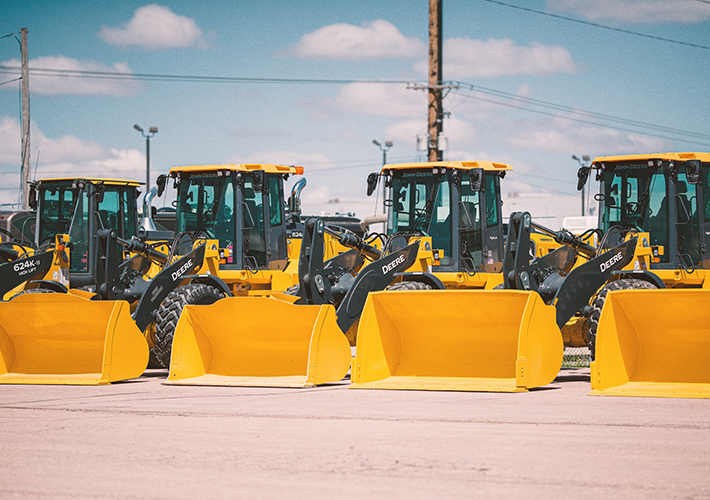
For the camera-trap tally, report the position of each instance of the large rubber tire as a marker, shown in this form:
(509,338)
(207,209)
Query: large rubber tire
(598,304)
(169,313)
(153,361)
(409,285)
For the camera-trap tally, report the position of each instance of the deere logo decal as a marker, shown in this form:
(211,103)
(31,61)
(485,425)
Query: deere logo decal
(183,269)
(388,267)
(606,265)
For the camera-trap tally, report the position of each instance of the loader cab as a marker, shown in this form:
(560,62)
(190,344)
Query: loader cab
(660,196)
(80,208)
(459,208)
(243,208)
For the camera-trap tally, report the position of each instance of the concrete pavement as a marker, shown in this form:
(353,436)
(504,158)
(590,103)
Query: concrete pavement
(141,439)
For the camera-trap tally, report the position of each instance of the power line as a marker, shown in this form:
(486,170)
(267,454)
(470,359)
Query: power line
(593,114)
(682,134)
(10,81)
(637,126)
(603,26)
(588,122)
(116,75)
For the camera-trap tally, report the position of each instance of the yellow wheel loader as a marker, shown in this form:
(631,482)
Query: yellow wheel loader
(648,327)
(423,339)
(502,340)
(231,240)
(45,350)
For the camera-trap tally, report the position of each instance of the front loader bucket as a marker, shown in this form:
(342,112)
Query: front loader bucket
(457,340)
(56,338)
(260,342)
(653,343)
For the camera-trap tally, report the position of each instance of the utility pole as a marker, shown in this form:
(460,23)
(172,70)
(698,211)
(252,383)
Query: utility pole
(436,89)
(25,174)
(436,111)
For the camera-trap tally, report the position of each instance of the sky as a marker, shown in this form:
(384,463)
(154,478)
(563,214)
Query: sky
(538,81)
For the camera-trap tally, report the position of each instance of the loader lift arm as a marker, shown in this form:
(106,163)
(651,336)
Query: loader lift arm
(331,282)
(550,275)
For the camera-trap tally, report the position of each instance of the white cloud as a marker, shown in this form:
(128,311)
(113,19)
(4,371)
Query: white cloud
(63,156)
(562,136)
(635,11)
(393,100)
(155,27)
(378,39)
(466,58)
(65,84)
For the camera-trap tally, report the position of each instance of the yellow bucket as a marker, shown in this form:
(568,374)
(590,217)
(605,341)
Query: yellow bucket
(56,338)
(457,340)
(653,343)
(260,342)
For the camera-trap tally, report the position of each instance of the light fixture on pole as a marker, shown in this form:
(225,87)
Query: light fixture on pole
(387,145)
(151,132)
(584,163)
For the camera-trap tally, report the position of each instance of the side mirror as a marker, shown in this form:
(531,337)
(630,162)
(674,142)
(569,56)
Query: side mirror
(475,178)
(372,182)
(582,176)
(161,182)
(32,197)
(257,181)
(99,190)
(692,171)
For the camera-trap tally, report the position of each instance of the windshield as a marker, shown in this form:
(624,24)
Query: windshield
(637,196)
(207,204)
(422,204)
(56,207)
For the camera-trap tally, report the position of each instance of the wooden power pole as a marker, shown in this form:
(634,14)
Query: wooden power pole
(436,111)
(25,174)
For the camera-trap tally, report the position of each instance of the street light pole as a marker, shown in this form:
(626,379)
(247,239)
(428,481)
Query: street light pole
(384,148)
(151,132)
(584,162)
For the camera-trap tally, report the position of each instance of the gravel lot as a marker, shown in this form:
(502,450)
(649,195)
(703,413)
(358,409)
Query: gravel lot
(142,439)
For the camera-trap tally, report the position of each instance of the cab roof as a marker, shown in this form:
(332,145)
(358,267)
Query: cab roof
(704,157)
(460,165)
(96,180)
(241,167)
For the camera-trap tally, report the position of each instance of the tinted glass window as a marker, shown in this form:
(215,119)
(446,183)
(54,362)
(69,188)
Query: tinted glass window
(276,197)
(207,207)
(422,203)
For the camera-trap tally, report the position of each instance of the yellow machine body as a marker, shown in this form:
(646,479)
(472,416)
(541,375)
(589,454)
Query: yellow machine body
(653,343)
(457,340)
(56,338)
(258,341)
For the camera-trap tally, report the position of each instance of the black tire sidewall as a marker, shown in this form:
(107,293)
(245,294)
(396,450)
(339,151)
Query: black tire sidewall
(168,315)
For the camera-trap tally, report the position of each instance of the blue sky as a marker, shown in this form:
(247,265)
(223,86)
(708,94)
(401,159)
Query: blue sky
(83,126)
